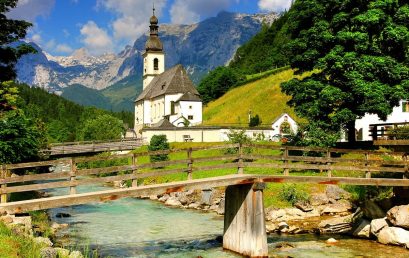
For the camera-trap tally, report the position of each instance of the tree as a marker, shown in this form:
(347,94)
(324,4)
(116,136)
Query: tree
(255,121)
(11,31)
(360,52)
(218,82)
(157,143)
(103,127)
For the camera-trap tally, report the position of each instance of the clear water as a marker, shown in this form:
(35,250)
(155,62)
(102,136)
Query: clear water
(143,228)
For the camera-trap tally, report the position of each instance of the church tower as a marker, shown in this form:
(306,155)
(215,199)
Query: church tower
(154,57)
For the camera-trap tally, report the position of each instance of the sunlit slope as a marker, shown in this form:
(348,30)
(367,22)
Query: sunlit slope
(262,97)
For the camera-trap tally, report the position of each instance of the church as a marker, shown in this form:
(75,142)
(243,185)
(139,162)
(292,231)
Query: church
(169,98)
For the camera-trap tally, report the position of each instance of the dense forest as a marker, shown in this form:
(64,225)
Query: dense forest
(266,51)
(64,120)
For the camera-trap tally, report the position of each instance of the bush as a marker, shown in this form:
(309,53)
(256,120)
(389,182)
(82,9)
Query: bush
(290,193)
(158,142)
(400,133)
(255,121)
(238,136)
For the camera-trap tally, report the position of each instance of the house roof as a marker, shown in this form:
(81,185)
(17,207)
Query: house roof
(188,96)
(280,116)
(164,123)
(172,81)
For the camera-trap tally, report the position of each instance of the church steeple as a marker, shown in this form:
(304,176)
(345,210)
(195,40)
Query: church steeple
(154,58)
(154,43)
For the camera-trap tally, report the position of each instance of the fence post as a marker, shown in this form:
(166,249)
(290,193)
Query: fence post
(285,156)
(189,164)
(3,197)
(405,159)
(134,170)
(73,172)
(367,173)
(329,171)
(240,168)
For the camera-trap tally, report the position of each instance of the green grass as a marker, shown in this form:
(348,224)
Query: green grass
(262,97)
(12,245)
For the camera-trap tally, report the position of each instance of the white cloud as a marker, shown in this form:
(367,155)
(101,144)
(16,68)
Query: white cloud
(29,10)
(36,38)
(50,45)
(132,16)
(190,11)
(274,5)
(96,40)
(64,48)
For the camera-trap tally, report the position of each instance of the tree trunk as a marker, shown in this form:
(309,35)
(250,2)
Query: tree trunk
(351,132)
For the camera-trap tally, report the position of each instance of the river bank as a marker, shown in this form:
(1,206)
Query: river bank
(328,212)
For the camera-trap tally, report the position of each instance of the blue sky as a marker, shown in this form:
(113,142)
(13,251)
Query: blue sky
(62,26)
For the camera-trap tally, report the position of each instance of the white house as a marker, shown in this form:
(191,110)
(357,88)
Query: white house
(399,114)
(167,95)
(284,124)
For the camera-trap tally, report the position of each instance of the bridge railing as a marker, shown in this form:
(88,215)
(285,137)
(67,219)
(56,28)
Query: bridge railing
(199,162)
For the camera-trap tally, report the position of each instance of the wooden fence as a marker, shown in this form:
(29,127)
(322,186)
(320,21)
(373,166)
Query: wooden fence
(285,161)
(91,146)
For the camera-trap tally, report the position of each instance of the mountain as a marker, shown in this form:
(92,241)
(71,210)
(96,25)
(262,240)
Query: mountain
(199,47)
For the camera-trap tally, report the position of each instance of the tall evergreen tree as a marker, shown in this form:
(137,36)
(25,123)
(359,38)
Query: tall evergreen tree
(360,50)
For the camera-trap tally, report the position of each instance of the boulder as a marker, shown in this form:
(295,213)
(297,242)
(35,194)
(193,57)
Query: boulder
(220,208)
(173,202)
(372,210)
(6,219)
(282,225)
(276,215)
(284,246)
(194,205)
(304,206)
(335,192)
(183,200)
(76,254)
(48,252)
(164,198)
(62,252)
(62,215)
(270,227)
(399,216)
(393,236)
(319,199)
(338,207)
(153,197)
(43,241)
(377,225)
(331,241)
(336,225)
(363,229)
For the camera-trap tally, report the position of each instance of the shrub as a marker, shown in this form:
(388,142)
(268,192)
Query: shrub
(238,136)
(292,194)
(158,142)
(255,121)
(401,133)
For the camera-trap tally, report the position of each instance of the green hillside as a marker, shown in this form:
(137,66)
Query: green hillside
(262,97)
(86,97)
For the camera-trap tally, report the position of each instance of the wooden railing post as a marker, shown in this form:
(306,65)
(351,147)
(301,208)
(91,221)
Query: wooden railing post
(406,168)
(329,171)
(189,164)
(3,197)
(285,157)
(240,166)
(367,173)
(73,172)
(135,170)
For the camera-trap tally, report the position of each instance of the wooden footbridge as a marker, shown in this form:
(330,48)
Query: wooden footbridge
(243,169)
(70,148)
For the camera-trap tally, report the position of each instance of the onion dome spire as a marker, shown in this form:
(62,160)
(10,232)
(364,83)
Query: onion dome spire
(154,43)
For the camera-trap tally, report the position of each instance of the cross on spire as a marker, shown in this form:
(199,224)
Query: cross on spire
(153,8)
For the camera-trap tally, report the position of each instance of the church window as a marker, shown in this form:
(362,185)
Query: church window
(163,86)
(190,107)
(155,64)
(172,107)
(190,117)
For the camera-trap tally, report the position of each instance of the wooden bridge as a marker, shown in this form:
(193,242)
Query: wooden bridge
(243,169)
(69,148)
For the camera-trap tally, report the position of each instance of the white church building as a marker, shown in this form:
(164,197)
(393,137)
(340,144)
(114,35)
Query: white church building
(169,98)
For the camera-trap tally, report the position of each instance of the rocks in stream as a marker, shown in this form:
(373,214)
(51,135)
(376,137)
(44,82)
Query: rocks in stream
(399,216)
(62,215)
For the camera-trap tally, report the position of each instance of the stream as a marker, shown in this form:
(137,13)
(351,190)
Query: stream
(132,227)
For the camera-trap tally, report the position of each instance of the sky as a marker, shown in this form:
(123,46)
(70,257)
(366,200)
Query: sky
(107,26)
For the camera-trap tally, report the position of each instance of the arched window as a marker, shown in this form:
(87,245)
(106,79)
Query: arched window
(155,64)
